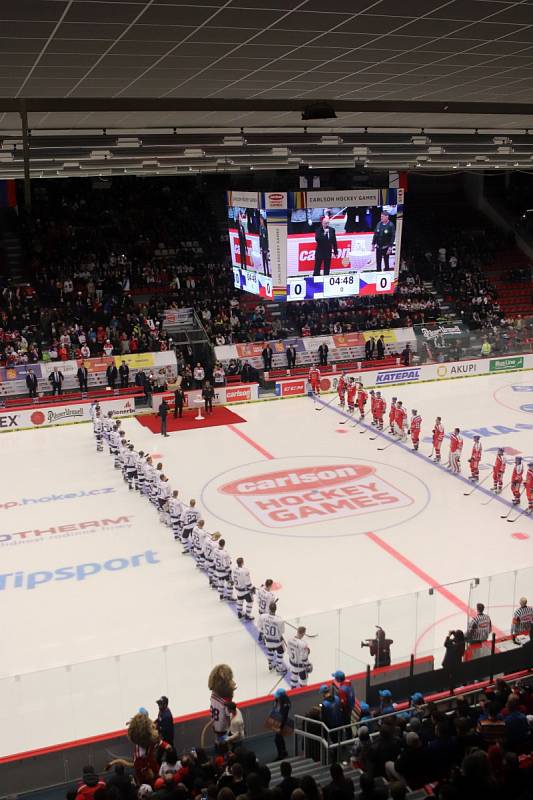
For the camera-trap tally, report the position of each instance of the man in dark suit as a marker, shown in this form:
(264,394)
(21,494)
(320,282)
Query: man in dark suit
(32,383)
(263,244)
(124,373)
(179,397)
(111,375)
(83,377)
(163,412)
(326,244)
(323,351)
(266,355)
(242,243)
(380,346)
(56,379)
(291,356)
(383,240)
(370,346)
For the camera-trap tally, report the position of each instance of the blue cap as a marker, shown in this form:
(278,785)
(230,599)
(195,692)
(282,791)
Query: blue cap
(364,707)
(417,697)
(324,689)
(144,711)
(385,693)
(339,675)
(279,692)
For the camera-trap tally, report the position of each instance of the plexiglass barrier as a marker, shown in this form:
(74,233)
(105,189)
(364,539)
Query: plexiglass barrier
(84,699)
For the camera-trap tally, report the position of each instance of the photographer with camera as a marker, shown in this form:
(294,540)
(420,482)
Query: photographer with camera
(379,648)
(453,657)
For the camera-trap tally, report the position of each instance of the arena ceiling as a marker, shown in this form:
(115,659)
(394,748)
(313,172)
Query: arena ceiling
(150,86)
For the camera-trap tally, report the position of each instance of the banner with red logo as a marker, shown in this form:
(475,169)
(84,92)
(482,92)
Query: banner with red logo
(291,388)
(42,416)
(354,254)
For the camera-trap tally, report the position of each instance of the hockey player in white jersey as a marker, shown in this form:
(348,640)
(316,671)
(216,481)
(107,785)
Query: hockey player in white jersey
(244,590)
(98,429)
(272,629)
(299,664)
(163,496)
(209,557)
(139,475)
(265,596)
(198,536)
(147,473)
(123,450)
(94,409)
(189,518)
(175,508)
(114,443)
(130,466)
(223,571)
(108,424)
(154,483)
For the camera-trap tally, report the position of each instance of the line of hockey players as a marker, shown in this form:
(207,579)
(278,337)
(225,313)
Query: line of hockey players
(233,583)
(353,395)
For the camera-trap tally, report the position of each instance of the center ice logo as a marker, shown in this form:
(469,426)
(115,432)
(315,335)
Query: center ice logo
(288,497)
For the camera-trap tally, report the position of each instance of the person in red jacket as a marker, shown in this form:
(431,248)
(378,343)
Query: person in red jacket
(438,436)
(475,458)
(314,380)
(350,393)
(497,471)
(400,417)
(516,480)
(392,414)
(341,389)
(456,448)
(414,430)
(362,396)
(90,784)
(381,407)
(528,486)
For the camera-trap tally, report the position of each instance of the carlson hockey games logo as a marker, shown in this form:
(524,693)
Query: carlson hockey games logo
(315,496)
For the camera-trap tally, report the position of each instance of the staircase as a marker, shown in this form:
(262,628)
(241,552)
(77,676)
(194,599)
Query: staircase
(306,766)
(14,262)
(514,296)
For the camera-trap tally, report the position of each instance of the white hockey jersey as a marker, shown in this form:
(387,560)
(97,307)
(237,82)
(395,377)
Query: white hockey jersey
(272,627)
(298,652)
(175,507)
(163,492)
(189,517)
(222,561)
(242,579)
(264,598)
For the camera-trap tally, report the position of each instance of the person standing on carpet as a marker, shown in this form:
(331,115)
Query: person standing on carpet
(163,412)
(178,402)
(208,393)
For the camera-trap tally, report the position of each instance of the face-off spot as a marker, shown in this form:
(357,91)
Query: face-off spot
(520,536)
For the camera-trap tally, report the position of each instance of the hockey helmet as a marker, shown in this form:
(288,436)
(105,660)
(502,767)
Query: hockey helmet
(518,459)
(500,451)
(477,438)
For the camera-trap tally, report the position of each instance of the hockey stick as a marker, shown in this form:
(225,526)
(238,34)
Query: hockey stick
(322,407)
(432,451)
(522,510)
(309,635)
(277,683)
(387,445)
(476,486)
(504,516)
(495,495)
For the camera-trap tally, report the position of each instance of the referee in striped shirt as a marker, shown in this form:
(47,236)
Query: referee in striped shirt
(479,630)
(522,619)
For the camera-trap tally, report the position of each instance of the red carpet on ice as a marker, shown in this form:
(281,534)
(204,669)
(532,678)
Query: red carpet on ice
(220,416)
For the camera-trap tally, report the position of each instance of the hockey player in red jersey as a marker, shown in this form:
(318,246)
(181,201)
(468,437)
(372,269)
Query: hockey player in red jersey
(381,406)
(456,448)
(528,485)
(362,396)
(497,471)
(392,414)
(438,436)
(373,406)
(475,458)
(400,417)
(351,390)
(516,480)
(414,429)
(341,389)
(314,380)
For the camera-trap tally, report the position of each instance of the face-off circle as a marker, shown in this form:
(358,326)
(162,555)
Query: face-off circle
(516,395)
(315,496)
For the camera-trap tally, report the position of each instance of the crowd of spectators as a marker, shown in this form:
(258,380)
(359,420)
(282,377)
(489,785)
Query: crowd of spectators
(478,751)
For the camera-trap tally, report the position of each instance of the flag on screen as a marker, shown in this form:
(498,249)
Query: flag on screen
(8,193)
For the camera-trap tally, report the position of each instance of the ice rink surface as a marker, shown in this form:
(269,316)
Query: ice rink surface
(101,613)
